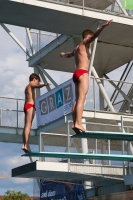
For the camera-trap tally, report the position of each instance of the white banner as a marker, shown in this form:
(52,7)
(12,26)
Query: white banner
(56,103)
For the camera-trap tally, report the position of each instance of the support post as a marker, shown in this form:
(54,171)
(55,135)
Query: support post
(113,6)
(109,162)
(103,150)
(37,89)
(17,116)
(93,53)
(94,94)
(101,98)
(103,90)
(1,117)
(122,146)
(84,146)
(15,39)
(68,143)
(39,40)
(95,149)
(41,145)
(30,40)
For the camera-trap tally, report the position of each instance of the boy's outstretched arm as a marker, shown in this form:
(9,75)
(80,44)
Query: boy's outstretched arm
(97,33)
(67,54)
(40,85)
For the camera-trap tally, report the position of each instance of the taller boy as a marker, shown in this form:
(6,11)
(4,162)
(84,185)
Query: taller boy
(29,108)
(82,55)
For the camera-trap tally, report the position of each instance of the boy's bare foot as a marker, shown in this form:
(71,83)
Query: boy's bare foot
(72,126)
(78,130)
(26,149)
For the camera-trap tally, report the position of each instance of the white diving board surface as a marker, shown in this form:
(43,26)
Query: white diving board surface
(81,156)
(105,135)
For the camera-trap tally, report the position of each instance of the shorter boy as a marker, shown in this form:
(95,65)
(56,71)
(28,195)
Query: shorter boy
(29,108)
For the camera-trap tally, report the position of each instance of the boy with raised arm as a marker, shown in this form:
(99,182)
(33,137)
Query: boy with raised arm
(29,108)
(82,55)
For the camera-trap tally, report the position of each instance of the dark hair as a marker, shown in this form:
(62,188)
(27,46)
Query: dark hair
(87,32)
(32,76)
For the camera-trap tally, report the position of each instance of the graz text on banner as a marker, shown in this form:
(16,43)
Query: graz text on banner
(56,103)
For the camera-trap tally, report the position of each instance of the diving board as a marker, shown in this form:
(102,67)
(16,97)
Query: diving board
(105,135)
(81,156)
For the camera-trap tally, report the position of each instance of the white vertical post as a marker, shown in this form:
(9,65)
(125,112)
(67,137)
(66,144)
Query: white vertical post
(109,162)
(93,53)
(103,150)
(30,41)
(84,146)
(17,116)
(94,94)
(122,146)
(84,142)
(83,6)
(1,117)
(101,98)
(68,143)
(39,40)
(113,6)
(95,149)
(41,145)
(38,89)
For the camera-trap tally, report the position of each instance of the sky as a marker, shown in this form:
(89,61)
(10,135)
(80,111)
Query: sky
(15,72)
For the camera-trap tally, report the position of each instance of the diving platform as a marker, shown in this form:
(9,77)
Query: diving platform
(80,156)
(105,135)
(59,171)
(53,16)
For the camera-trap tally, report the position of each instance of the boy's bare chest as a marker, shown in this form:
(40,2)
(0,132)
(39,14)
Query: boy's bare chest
(82,50)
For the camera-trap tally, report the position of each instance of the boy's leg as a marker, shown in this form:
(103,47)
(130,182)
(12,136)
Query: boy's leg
(81,91)
(26,132)
(73,114)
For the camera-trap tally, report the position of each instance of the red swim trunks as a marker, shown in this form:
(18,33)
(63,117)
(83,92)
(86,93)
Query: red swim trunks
(78,73)
(27,106)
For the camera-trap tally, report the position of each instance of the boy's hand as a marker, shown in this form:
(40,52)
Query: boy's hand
(48,84)
(107,23)
(62,54)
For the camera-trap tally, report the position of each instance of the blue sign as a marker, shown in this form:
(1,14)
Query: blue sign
(62,191)
(59,98)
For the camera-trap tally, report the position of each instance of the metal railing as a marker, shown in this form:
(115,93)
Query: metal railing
(11,113)
(95,100)
(40,39)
